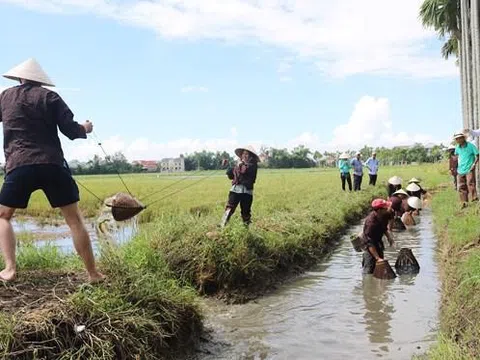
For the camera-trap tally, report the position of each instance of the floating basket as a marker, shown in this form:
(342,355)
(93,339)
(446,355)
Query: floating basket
(384,271)
(125,207)
(406,262)
(357,242)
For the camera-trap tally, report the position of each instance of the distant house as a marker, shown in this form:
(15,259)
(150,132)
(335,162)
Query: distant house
(147,165)
(172,164)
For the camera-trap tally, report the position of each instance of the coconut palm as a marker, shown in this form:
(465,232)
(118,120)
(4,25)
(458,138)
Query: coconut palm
(444,17)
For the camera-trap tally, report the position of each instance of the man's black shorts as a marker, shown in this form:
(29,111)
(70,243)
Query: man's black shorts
(55,181)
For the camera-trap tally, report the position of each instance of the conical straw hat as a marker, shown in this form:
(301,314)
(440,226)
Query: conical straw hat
(250,149)
(395,180)
(413,187)
(400,192)
(344,156)
(29,70)
(414,180)
(414,202)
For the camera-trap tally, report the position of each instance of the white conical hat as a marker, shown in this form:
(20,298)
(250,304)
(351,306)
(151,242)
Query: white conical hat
(414,180)
(400,192)
(29,70)
(395,180)
(414,202)
(344,156)
(413,187)
(250,149)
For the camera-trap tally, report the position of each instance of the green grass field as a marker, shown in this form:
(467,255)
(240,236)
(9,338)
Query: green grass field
(154,279)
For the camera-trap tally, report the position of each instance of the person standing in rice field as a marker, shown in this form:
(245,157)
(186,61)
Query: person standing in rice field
(345,167)
(243,176)
(34,160)
(453,164)
(467,161)
(372,164)
(357,165)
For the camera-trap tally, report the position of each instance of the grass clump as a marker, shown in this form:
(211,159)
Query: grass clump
(138,313)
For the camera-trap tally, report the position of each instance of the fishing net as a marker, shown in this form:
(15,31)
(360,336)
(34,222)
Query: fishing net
(125,207)
(384,271)
(406,262)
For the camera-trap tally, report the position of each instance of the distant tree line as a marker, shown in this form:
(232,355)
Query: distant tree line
(273,158)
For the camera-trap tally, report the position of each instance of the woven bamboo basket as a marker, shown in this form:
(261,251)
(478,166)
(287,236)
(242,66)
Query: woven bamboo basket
(384,271)
(125,207)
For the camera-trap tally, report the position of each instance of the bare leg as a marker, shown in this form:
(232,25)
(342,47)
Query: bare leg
(7,243)
(81,240)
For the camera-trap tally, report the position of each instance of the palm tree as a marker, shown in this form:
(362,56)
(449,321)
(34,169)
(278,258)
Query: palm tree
(444,17)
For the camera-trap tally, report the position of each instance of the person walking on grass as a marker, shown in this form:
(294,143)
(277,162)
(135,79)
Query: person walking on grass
(375,227)
(467,161)
(372,164)
(34,160)
(243,176)
(453,164)
(345,167)
(357,165)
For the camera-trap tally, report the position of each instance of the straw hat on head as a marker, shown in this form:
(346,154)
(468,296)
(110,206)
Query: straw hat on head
(414,180)
(414,202)
(395,180)
(451,147)
(400,192)
(413,187)
(248,148)
(459,134)
(344,156)
(358,153)
(29,70)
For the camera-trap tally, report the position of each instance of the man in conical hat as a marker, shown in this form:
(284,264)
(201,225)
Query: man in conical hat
(243,176)
(34,159)
(468,156)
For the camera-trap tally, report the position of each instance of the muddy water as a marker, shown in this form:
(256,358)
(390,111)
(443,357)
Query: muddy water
(333,312)
(59,234)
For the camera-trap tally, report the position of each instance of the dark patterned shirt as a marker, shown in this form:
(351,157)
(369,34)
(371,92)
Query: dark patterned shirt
(30,116)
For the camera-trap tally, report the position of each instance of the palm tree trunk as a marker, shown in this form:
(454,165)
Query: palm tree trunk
(464,62)
(475,38)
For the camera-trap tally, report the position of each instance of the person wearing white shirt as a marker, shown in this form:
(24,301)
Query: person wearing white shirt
(372,164)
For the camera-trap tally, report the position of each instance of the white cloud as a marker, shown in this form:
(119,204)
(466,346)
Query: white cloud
(187,89)
(283,67)
(343,37)
(370,124)
(285,79)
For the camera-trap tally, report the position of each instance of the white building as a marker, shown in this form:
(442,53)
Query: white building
(172,164)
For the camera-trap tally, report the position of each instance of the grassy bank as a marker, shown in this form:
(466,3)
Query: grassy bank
(458,232)
(50,312)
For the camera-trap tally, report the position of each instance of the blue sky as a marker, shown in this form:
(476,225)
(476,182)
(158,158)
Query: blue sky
(160,78)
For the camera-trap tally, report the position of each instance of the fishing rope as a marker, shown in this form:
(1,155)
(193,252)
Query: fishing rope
(108,159)
(99,143)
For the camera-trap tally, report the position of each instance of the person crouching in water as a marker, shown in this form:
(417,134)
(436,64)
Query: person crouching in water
(375,227)
(243,177)
(345,167)
(394,184)
(414,206)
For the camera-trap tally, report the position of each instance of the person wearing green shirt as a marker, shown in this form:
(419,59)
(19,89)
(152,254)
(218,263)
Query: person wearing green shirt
(345,167)
(467,161)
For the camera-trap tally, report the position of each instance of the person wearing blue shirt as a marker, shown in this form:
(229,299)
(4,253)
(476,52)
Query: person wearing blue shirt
(357,172)
(372,165)
(344,166)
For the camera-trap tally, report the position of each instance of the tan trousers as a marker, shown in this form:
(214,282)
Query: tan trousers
(467,184)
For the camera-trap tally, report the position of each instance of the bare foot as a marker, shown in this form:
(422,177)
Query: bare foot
(96,277)
(7,275)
